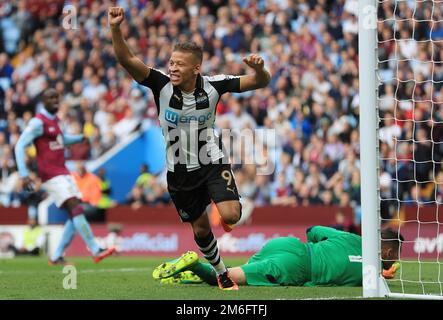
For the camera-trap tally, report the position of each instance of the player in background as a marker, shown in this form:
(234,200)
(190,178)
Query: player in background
(329,258)
(186,103)
(43,130)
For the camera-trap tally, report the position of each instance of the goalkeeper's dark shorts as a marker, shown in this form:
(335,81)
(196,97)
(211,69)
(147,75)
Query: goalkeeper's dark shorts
(282,261)
(193,191)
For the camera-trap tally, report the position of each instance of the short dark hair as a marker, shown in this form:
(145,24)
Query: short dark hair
(48,92)
(191,47)
(392,238)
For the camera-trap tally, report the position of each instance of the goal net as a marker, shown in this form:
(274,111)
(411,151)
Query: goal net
(409,113)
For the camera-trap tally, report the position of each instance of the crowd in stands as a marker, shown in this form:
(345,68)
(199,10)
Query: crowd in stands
(312,102)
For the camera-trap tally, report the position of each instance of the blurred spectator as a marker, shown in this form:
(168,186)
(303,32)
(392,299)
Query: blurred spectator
(9,182)
(438,187)
(422,156)
(125,126)
(145,179)
(262,195)
(281,192)
(386,203)
(90,187)
(136,198)
(78,151)
(390,130)
(341,223)
(31,241)
(137,103)
(6,70)
(149,189)
(105,201)
(237,119)
(94,90)
(159,195)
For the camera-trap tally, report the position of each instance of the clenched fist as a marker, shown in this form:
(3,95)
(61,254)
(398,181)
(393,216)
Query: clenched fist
(116,15)
(254,61)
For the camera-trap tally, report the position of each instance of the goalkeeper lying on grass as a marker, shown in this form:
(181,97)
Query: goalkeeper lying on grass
(329,258)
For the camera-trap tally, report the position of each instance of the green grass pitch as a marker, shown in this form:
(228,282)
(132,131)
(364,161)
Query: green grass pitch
(130,278)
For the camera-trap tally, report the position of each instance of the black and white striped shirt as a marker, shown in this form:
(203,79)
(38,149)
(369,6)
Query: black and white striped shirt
(187,119)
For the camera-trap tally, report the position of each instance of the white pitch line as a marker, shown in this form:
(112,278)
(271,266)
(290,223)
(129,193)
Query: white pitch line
(85,270)
(333,298)
(115,270)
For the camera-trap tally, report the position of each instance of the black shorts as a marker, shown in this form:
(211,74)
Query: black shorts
(193,191)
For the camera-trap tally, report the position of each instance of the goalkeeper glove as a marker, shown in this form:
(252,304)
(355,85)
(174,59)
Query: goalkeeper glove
(390,273)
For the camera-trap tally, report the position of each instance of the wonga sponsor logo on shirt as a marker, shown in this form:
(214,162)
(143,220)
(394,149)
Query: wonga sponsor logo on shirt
(175,118)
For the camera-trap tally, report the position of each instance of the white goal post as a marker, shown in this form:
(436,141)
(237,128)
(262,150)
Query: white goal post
(367,43)
(386,64)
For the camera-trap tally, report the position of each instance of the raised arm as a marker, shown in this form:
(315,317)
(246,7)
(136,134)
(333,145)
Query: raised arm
(259,79)
(135,67)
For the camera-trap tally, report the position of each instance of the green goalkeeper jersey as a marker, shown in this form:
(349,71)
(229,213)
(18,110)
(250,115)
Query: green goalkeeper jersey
(335,257)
